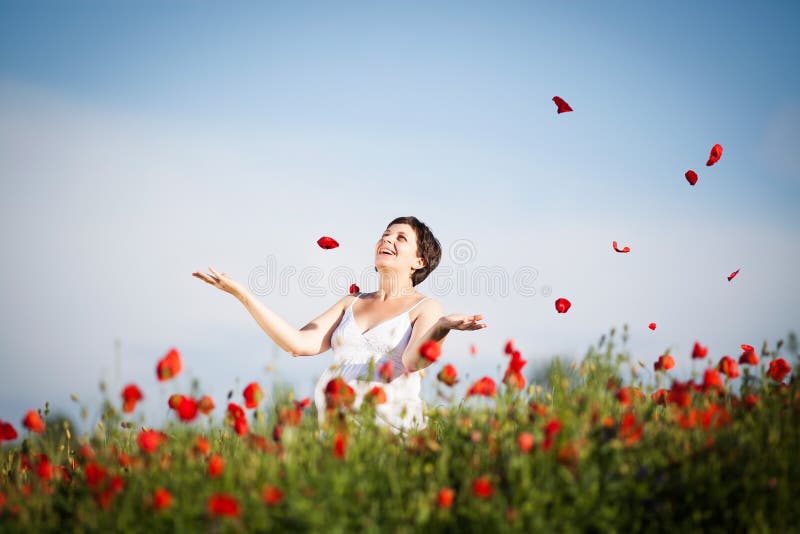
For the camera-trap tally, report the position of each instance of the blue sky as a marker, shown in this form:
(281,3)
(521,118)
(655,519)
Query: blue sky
(140,141)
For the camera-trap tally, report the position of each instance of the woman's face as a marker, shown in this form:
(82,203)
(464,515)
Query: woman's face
(397,249)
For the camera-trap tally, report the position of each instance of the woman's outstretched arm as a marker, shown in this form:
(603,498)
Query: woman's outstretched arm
(431,325)
(312,339)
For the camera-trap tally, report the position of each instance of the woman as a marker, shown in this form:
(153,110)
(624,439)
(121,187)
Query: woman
(373,335)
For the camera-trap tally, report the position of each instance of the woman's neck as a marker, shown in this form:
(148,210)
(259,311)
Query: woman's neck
(392,287)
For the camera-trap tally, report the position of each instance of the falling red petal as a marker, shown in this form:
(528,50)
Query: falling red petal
(354,289)
(327,242)
(623,250)
(716,153)
(652,326)
(563,107)
(733,274)
(691,177)
(562,305)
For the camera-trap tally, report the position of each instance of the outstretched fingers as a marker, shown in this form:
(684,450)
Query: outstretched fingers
(206,278)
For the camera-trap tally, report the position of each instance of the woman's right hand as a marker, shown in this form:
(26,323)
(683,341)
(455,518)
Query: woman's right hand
(222,281)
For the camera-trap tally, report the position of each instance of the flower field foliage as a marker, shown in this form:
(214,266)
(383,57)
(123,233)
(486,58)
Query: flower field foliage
(606,444)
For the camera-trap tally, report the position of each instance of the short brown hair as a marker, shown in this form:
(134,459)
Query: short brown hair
(428,247)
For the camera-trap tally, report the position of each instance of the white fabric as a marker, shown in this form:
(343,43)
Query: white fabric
(354,353)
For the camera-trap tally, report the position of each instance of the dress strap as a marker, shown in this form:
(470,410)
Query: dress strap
(417,304)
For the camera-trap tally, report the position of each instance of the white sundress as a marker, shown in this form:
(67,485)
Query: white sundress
(354,353)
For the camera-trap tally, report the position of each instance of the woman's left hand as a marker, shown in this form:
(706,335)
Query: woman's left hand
(457,321)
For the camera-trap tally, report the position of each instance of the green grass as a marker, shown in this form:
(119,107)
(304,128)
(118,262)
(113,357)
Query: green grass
(736,472)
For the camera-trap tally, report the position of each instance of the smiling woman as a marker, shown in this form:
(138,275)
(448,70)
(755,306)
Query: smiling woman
(375,337)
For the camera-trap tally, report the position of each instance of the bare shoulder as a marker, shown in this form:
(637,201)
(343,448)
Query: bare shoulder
(428,307)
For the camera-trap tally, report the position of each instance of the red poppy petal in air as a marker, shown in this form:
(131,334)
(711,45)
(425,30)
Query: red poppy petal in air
(562,305)
(354,289)
(691,177)
(652,326)
(327,242)
(563,107)
(733,274)
(716,153)
(623,250)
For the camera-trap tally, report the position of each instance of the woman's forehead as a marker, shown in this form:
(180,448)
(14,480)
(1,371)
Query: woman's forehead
(401,228)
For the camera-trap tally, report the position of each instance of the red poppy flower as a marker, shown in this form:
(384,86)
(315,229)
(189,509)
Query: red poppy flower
(376,395)
(223,505)
(509,347)
(86,451)
(624,250)
(354,289)
(271,495)
(235,411)
(712,380)
(162,499)
(716,153)
(448,375)
(630,432)
(430,351)
(240,426)
(733,274)
(327,242)
(514,379)
(750,400)
(338,393)
(778,369)
(484,386)
(45,469)
(551,430)
(215,465)
(749,355)
(149,440)
(691,177)
(445,498)
(339,445)
(652,326)
(516,363)
(202,446)
(714,416)
(526,442)
(33,422)
(386,371)
(252,395)
(175,400)
(482,487)
(169,366)
(94,475)
(130,396)
(561,105)
(562,305)
(552,427)
(187,409)
(7,432)
(699,351)
(206,405)
(629,394)
(729,367)
(237,419)
(660,396)
(665,363)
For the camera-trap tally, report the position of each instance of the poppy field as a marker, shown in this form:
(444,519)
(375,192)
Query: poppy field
(605,444)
